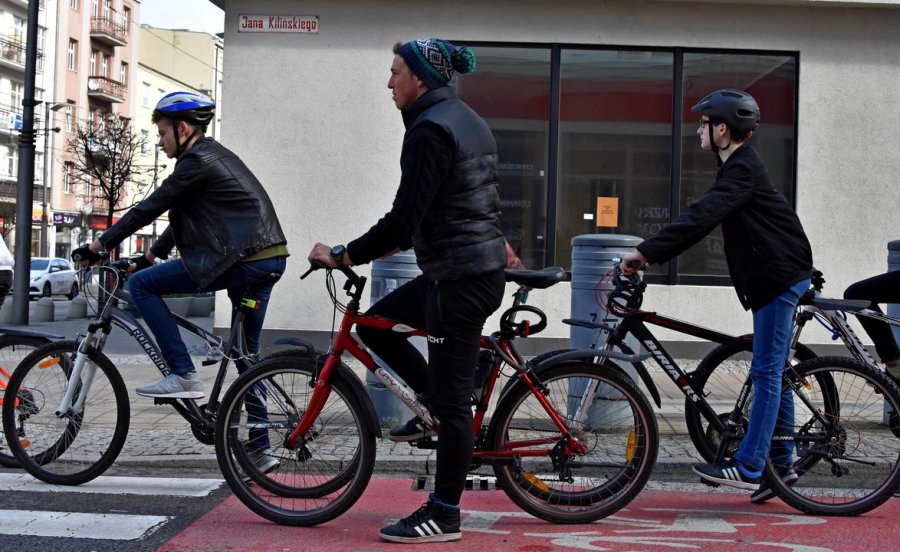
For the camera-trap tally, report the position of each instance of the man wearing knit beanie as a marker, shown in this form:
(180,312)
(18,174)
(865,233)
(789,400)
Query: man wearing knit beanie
(448,209)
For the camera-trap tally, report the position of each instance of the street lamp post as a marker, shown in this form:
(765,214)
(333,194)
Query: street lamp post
(48,107)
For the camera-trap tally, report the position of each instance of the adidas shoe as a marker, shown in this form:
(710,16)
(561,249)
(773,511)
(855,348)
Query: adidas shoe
(726,474)
(413,430)
(174,386)
(764,493)
(433,522)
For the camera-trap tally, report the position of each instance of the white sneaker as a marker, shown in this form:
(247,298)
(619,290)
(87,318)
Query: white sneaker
(174,386)
(264,461)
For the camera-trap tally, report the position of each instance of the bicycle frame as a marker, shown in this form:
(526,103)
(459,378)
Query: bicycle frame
(98,332)
(635,324)
(501,344)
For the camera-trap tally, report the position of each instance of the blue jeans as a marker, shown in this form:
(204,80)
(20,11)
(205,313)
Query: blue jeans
(772,409)
(148,285)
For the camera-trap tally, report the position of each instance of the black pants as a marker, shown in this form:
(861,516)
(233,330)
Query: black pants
(884,288)
(453,312)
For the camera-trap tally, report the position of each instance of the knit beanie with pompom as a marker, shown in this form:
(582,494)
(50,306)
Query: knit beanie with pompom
(433,60)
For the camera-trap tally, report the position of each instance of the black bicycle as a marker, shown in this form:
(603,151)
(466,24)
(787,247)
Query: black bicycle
(844,431)
(78,411)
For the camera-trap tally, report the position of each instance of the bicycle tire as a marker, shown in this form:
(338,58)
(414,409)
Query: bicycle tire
(77,448)
(719,377)
(848,465)
(620,435)
(328,473)
(14,348)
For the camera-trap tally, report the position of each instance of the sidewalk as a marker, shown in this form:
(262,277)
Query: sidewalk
(158,434)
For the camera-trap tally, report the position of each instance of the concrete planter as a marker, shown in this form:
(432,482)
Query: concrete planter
(179,305)
(202,306)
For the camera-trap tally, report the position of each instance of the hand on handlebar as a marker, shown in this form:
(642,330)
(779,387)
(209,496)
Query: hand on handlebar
(84,256)
(139,262)
(633,263)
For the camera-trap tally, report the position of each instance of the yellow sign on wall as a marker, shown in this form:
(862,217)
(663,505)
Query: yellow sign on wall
(607,212)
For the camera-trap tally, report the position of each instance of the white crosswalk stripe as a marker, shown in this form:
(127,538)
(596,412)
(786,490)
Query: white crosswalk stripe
(104,525)
(116,485)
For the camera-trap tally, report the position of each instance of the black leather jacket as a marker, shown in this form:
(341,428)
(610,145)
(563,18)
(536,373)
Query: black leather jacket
(219,213)
(765,245)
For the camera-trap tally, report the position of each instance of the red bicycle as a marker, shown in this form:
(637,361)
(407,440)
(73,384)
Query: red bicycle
(569,440)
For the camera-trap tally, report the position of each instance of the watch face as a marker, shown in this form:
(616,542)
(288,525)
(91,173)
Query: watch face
(338,251)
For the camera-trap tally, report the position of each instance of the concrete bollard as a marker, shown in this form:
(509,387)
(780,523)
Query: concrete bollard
(6,311)
(77,308)
(44,310)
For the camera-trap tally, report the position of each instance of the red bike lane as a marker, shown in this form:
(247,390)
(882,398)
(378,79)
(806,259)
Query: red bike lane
(655,520)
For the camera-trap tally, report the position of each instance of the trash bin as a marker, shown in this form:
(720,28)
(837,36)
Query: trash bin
(893,309)
(388,274)
(592,258)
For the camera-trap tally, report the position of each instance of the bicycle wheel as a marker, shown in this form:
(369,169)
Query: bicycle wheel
(846,452)
(719,378)
(620,437)
(13,349)
(75,447)
(327,473)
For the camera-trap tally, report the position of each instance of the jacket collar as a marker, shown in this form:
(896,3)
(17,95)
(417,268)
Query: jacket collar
(412,111)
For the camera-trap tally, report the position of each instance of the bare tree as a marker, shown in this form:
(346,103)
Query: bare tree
(103,152)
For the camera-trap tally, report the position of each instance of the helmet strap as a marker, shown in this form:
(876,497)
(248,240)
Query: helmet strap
(179,145)
(715,148)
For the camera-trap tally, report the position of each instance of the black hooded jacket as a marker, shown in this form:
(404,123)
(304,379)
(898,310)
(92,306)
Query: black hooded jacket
(765,245)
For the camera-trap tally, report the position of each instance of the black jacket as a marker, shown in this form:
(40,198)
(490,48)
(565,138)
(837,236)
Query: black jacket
(448,205)
(765,245)
(219,213)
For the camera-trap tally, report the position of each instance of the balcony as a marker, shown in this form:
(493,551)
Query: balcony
(106,89)
(108,31)
(12,54)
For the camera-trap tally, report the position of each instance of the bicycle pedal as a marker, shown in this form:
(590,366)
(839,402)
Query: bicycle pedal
(427,443)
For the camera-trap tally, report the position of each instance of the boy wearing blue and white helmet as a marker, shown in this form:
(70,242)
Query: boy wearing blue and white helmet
(227,233)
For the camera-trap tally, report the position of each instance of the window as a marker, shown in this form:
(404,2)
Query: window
(107,10)
(70,110)
(94,55)
(123,73)
(104,66)
(18,30)
(16,91)
(67,177)
(72,59)
(126,19)
(12,157)
(590,131)
(95,8)
(145,94)
(145,142)
(73,4)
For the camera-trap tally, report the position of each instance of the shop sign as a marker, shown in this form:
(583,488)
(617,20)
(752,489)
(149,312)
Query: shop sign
(67,220)
(278,24)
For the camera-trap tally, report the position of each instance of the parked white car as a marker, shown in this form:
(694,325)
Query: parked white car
(53,276)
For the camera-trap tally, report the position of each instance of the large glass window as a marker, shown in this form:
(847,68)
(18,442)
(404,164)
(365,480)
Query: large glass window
(601,140)
(511,90)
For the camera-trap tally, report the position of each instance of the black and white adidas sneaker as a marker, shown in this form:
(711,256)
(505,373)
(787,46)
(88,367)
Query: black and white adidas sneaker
(433,522)
(726,474)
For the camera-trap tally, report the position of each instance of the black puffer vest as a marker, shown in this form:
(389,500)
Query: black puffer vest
(460,235)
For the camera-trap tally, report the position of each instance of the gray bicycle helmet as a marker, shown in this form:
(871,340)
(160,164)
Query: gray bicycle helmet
(735,107)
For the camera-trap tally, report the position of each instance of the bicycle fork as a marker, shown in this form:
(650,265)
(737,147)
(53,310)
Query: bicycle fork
(81,378)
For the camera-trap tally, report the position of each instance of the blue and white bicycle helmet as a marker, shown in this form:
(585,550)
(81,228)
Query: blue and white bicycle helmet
(186,106)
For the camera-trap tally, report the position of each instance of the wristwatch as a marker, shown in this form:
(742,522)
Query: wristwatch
(337,254)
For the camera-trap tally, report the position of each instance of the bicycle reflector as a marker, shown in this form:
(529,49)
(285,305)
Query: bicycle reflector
(627,294)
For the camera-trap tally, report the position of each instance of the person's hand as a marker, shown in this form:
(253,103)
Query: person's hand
(322,253)
(84,256)
(632,263)
(139,262)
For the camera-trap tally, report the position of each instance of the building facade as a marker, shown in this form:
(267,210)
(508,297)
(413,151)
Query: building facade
(589,102)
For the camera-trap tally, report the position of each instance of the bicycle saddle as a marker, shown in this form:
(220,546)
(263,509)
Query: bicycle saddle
(538,279)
